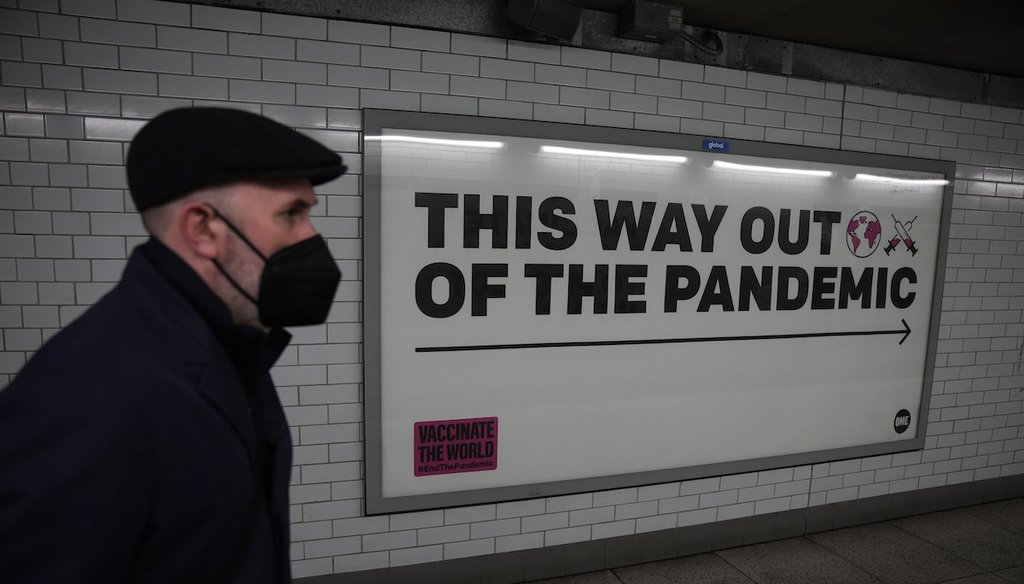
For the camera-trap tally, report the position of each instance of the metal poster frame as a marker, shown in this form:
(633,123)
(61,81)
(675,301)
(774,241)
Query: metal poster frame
(374,121)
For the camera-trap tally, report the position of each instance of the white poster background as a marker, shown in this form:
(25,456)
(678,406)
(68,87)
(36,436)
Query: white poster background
(590,411)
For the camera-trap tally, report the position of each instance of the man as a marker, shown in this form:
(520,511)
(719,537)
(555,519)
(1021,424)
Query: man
(145,442)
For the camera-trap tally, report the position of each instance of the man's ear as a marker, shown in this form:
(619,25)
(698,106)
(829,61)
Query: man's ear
(201,233)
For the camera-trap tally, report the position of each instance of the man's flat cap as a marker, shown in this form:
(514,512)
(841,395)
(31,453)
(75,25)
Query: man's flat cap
(183,150)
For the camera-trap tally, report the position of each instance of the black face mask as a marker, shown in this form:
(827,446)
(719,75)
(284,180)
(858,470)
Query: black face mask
(297,284)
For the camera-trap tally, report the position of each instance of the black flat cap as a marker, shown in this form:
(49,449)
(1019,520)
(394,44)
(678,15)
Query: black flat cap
(184,150)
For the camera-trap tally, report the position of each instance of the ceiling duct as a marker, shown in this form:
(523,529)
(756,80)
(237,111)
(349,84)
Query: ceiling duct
(654,22)
(556,18)
(660,22)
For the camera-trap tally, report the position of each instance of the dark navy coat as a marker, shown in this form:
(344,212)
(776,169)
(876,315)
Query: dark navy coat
(126,451)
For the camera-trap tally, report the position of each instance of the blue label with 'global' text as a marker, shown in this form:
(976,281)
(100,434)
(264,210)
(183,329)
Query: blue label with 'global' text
(716,145)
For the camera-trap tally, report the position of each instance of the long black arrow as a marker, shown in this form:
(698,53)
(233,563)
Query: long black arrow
(905,331)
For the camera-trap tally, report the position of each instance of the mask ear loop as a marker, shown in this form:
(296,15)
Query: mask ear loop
(241,236)
(221,269)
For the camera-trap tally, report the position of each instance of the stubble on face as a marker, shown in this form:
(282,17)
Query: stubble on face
(242,263)
(238,260)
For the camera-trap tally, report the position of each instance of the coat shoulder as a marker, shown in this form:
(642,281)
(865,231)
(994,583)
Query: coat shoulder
(135,340)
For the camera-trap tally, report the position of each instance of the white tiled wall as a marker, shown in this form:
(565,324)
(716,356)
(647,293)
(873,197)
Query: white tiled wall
(80,76)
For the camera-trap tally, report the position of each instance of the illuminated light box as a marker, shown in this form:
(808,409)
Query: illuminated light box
(553,309)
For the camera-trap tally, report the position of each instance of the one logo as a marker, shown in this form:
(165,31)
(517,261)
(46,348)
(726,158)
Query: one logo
(716,145)
(902,236)
(863,234)
(902,421)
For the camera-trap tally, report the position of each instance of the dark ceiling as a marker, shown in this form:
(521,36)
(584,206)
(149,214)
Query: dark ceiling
(984,36)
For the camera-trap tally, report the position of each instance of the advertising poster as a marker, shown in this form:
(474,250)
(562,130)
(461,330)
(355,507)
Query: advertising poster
(610,308)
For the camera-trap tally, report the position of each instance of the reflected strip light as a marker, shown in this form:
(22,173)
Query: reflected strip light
(902,181)
(440,141)
(771,169)
(613,154)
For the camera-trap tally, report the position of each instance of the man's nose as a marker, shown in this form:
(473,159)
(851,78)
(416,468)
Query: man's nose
(307,229)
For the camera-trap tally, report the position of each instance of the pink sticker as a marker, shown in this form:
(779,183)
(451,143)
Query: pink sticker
(450,446)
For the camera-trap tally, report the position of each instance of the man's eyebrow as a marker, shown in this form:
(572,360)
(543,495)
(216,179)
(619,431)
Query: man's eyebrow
(301,204)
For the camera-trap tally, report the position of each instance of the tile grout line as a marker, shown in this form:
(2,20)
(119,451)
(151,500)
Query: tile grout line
(616,576)
(737,568)
(943,548)
(844,558)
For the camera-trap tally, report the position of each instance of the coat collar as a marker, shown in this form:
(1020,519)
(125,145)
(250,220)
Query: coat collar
(251,350)
(227,361)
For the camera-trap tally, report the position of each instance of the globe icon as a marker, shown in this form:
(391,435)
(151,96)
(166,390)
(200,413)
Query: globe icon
(863,234)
